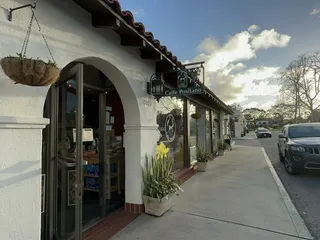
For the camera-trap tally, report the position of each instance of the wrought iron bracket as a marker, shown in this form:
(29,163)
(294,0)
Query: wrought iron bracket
(11,10)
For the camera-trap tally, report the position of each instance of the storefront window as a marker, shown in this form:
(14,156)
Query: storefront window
(208,132)
(215,130)
(170,121)
(193,133)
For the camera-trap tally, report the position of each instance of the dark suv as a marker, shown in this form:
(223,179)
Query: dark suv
(299,147)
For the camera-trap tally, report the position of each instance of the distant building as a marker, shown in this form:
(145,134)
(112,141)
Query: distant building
(238,124)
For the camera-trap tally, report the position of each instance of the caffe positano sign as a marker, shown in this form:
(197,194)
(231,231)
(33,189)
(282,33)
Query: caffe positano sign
(186,91)
(186,83)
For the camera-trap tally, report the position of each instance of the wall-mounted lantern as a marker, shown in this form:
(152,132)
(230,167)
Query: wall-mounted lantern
(156,86)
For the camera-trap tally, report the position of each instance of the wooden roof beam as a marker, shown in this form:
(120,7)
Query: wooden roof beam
(133,41)
(102,21)
(152,55)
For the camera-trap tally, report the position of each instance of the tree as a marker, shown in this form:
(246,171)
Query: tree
(310,85)
(282,111)
(291,79)
(236,106)
(301,83)
(253,114)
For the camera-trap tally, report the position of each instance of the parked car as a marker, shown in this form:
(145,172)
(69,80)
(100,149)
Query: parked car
(299,147)
(263,132)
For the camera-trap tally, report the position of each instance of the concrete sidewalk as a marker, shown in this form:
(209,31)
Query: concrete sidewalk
(238,198)
(250,135)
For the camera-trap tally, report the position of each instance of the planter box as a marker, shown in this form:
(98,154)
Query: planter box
(156,207)
(202,166)
(220,152)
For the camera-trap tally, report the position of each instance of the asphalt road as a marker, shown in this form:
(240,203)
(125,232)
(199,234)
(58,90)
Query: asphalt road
(303,189)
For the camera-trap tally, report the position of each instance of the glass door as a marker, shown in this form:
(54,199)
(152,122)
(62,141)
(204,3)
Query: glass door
(68,154)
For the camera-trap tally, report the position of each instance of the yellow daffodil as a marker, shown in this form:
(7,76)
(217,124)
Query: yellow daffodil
(162,151)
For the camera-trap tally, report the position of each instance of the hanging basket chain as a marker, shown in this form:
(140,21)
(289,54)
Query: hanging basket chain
(43,37)
(26,39)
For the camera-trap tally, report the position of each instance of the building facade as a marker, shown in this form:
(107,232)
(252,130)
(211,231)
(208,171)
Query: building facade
(238,124)
(72,152)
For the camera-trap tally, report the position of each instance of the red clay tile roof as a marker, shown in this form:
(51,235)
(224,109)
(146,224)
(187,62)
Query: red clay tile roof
(139,27)
(129,18)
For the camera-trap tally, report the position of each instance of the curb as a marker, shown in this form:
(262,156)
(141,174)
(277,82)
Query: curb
(297,221)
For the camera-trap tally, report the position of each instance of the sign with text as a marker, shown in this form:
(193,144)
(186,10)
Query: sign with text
(186,83)
(184,91)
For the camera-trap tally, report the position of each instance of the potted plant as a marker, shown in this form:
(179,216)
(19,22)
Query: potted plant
(160,184)
(203,158)
(222,146)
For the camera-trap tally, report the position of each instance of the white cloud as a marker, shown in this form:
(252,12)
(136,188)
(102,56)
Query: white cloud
(256,74)
(255,82)
(315,11)
(270,38)
(237,48)
(231,67)
(228,76)
(250,105)
(267,105)
(253,28)
(208,45)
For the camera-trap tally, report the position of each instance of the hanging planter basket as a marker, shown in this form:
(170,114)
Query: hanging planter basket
(27,71)
(196,115)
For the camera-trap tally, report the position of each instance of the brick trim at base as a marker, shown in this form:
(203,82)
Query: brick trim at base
(134,208)
(185,173)
(110,225)
(116,221)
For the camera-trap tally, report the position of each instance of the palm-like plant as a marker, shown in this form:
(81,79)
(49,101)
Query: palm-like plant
(222,145)
(202,155)
(158,179)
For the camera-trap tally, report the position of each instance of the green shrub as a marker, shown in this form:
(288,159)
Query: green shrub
(202,155)
(222,145)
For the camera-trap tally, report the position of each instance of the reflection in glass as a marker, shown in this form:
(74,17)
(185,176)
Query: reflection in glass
(170,121)
(208,133)
(66,160)
(193,133)
(215,130)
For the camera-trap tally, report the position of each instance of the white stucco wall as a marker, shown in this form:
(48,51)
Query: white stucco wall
(238,129)
(71,37)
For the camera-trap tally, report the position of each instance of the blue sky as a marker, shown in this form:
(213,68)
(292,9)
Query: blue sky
(188,28)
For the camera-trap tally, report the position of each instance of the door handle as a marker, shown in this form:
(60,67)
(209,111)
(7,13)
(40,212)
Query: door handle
(79,190)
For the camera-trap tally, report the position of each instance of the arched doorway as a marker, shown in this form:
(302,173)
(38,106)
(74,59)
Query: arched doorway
(83,154)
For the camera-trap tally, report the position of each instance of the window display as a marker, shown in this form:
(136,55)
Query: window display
(170,121)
